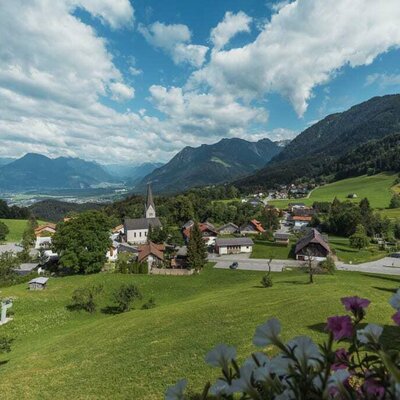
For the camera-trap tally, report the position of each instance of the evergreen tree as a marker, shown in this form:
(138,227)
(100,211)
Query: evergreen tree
(197,251)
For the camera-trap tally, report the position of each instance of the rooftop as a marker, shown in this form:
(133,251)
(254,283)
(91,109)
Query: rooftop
(241,241)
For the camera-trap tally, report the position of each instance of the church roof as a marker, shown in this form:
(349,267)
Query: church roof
(132,224)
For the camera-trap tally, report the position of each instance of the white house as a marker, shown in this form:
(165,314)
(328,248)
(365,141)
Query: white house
(137,229)
(233,245)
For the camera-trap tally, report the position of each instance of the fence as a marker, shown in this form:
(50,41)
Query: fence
(171,271)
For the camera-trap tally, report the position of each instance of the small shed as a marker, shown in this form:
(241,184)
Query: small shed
(282,238)
(352,196)
(38,283)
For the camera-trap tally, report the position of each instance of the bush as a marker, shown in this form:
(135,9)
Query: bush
(4,231)
(359,239)
(5,344)
(395,201)
(266,280)
(125,295)
(328,265)
(150,304)
(84,298)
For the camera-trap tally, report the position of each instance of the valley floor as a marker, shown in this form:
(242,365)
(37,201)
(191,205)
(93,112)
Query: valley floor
(58,354)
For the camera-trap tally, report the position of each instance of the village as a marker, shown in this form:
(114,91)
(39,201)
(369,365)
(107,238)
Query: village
(228,245)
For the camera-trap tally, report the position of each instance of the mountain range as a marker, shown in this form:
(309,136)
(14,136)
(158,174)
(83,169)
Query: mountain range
(227,160)
(131,173)
(321,149)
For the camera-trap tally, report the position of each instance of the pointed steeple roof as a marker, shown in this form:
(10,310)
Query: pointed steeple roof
(149,199)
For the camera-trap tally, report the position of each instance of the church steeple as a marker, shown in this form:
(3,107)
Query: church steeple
(150,207)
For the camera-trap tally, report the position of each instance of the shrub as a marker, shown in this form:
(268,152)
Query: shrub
(328,265)
(4,231)
(395,201)
(84,298)
(150,304)
(300,369)
(125,295)
(359,239)
(5,344)
(266,280)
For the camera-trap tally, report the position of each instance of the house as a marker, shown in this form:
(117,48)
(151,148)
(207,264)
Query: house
(112,253)
(118,229)
(137,229)
(301,221)
(282,238)
(26,268)
(293,206)
(38,283)
(208,231)
(43,234)
(180,259)
(233,245)
(127,248)
(303,212)
(228,229)
(252,228)
(151,253)
(46,230)
(313,245)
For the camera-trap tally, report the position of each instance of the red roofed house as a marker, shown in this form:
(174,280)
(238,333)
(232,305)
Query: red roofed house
(253,227)
(312,245)
(208,231)
(301,221)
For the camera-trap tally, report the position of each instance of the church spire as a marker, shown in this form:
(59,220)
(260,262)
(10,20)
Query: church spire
(150,207)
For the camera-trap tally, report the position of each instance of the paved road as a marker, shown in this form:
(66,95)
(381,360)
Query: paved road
(387,265)
(10,247)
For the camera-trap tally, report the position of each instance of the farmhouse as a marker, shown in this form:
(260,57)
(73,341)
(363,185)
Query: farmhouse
(253,227)
(43,234)
(301,221)
(233,245)
(228,229)
(151,253)
(293,206)
(313,245)
(26,268)
(38,283)
(137,229)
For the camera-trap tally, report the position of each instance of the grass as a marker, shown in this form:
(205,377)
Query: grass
(377,188)
(267,249)
(16,228)
(345,253)
(62,354)
(392,213)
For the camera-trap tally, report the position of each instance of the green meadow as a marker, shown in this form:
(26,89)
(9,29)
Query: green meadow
(377,188)
(59,354)
(16,228)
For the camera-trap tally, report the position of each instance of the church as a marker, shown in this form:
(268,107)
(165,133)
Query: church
(137,229)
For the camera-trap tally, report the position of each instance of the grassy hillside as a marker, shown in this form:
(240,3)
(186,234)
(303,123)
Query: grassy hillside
(16,228)
(376,188)
(136,355)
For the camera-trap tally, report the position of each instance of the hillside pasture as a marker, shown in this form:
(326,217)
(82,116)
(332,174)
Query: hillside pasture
(377,188)
(59,354)
(16,228)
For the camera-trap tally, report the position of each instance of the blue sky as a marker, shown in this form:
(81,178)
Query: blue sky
(134,81)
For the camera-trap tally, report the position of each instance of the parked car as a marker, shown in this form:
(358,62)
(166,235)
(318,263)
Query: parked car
(395,255)
(234,265)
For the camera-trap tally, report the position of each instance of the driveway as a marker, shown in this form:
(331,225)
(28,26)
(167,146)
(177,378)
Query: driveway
(13,247)
(386,266)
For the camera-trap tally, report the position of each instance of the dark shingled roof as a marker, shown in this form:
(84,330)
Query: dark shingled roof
(312,237)
(241,241)
(281,235)
(132,224)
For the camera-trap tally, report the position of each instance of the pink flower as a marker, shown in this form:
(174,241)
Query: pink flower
(340,327)
(396,318)
(374,388)
(355,303)
(341,359)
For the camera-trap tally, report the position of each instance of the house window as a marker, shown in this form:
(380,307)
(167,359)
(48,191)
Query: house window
(140,234)
(134,234)
(145,234)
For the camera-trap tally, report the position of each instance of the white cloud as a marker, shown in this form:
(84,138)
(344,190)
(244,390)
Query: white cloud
(175,40)
(383,80)
(135,71)
(231,25)
(303,46)
(121,92)
(117,13)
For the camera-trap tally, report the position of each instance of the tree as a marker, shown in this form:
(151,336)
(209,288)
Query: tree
(359,239)
(84,298)
(310,265)
(4,231)
(395,201)
(197,251)
(125,295)
(8,262)
(82,242)
(396,229)
(270,218)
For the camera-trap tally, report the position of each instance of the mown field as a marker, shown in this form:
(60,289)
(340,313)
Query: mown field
(377,188)
(58,354)
(16,228)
